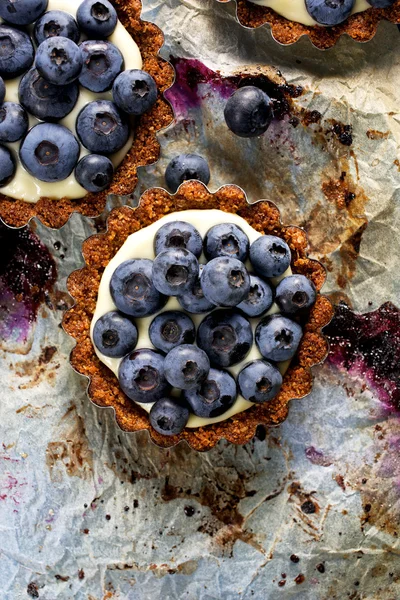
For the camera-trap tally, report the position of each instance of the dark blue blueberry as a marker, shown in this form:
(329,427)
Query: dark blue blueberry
(102,128)
(94,172)
(22,12)
(132,289)
(214,396)
(141,376)
(186,366)
(278,337)
(16,52)
(13,122)
(56,23)
(259,381)
(7,166)
(259,299)
(59,60)
(97,18)
(171,328)
(225,281)
(381,3)
(193,300)
(102,62)
(248,112)
(175,271)
(2,90)
(329,12)
(44,100)
(169,416)
(178,234)
(270,256)
(226,239)
(115,335)
(226,337)
(295,293)
(49,152)
(185,167)
(134,91)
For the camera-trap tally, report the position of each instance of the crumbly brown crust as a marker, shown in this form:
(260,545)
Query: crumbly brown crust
(83,285)
(145,148)
(361,26)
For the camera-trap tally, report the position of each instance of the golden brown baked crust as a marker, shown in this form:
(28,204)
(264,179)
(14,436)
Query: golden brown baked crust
(145,148)
(83,285)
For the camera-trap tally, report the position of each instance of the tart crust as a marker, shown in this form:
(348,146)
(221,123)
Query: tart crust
(145,149)
(83,286)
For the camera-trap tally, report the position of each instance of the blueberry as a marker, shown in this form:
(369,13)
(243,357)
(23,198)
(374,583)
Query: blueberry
(56,23)
(141,376)
(226,337)
(16,52)
(102,62)
(59,60)
(171,328)
(7,166)
(178,234)
(49,152)
(225,281)
(259,381)
(175,271)
(22,12)
(185,167)
(186,366)
(295,293)
(2,90)
(134,91)
(13,122)
(270,256)
(213,396)
(259,299)
(226,239)
(97,18)
(94,172)
(329,12)
(278,337)
(193,300)
(132,289)
(44,100)
(102,128)
(248,112)
(115,335)
(169,416)
(381,3)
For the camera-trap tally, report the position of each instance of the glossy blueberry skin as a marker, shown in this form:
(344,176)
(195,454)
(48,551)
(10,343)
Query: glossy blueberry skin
(225,281)
(226,239)
(185,167)
(141,376)
(56,23)
(170,329)
(102,62)
(226,337)
(102,128)
(44,100)
(2,90)
(194,300)
(134,91)
(132,290)
(94,172)
(115,335)
(59,60)
(214,396)
(7,166)
(278,338)
(169,416)
(259,381)
(295,293)
(178,234)
(259,298)
(329,12)
(381,3)
(13,122)
(175,271)
(97,18)
(22,12)
(248,112)
(16,52)
(186,366)
(270,256)
(49,152)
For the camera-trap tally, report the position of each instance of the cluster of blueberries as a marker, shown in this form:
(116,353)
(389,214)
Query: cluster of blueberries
(224,288)
(49,90)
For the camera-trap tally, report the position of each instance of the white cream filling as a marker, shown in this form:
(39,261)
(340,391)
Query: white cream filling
(140,245)
(24,186)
